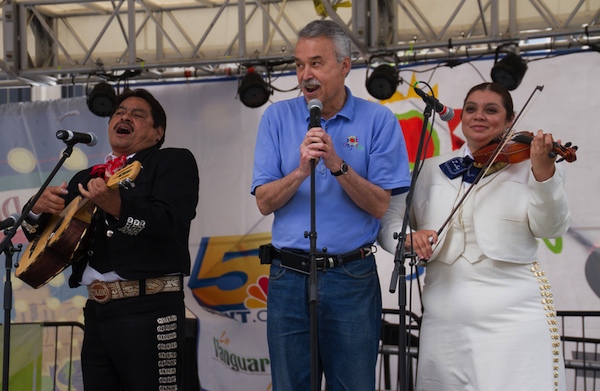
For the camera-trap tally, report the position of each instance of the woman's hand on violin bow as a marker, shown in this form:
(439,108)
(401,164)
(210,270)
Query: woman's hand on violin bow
(422,243)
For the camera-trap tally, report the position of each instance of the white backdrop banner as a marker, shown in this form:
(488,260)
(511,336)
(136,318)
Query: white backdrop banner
(227,287)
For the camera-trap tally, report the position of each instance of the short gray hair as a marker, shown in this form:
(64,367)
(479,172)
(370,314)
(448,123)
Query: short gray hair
(333,31)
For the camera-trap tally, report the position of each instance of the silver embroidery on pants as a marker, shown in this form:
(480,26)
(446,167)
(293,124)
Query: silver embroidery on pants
(166,336)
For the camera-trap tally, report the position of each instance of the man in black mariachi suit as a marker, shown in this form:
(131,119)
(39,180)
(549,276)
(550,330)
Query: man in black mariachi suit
(134,267)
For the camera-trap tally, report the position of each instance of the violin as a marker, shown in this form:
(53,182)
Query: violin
(517,150)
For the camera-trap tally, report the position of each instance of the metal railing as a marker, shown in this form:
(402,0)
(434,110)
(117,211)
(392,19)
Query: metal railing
(580,337)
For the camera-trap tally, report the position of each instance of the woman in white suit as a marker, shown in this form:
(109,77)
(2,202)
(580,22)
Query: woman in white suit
(489,323)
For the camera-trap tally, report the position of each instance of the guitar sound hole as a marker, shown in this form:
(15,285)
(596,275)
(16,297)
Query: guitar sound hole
(34,244)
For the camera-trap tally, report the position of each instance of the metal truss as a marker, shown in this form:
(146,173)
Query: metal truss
(49,42)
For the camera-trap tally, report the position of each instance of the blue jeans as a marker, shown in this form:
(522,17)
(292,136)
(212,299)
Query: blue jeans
(349,324)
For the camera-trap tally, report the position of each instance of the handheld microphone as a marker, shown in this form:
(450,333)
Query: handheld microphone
(314,106)
(9,222)
(446,113)
(75,137)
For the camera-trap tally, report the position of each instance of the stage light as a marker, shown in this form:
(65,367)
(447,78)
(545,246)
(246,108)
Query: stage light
(101,100)
(384,79)
(509,71)
(253,90)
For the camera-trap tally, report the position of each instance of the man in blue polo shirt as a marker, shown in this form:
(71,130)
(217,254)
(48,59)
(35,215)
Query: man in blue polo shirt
(361,159)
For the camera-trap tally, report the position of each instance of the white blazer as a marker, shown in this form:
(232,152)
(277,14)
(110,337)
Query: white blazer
(511,210)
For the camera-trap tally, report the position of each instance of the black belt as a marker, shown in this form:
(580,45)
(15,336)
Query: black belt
(300,261)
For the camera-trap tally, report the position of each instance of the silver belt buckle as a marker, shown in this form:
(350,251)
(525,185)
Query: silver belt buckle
(330,262)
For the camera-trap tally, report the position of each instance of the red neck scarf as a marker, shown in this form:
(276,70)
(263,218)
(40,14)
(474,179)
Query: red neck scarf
(107,169)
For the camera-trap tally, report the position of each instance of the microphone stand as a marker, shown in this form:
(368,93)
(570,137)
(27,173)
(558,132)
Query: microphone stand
(313,289)
(314,108)
(399,272)
(7,248)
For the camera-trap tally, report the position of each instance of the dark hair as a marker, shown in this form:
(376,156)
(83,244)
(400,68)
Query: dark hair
(499,89)
(158,113)
(333,31)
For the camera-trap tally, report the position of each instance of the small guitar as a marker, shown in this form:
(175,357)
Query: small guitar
(65,239)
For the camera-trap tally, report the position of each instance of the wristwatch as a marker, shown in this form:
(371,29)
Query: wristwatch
(343,169)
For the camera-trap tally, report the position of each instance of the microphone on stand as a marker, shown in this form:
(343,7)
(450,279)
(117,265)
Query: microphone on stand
(446,113)
(75,137)
(9,222)
(314,106)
